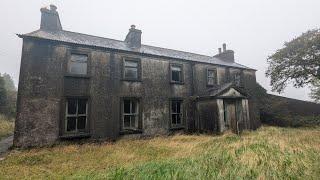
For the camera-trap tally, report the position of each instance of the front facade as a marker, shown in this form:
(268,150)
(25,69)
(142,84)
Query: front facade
(76,85)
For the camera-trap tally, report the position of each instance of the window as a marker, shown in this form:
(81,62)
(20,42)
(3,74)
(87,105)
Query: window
(176,113)
(176,74)
(237,79)
(211,77)
(130,114)
(131,70)
(76,115)
(78,64)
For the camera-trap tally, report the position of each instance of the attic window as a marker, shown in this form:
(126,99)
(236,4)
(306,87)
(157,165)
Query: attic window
(78,64)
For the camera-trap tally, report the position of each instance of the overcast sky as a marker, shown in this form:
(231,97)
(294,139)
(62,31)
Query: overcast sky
(254,29)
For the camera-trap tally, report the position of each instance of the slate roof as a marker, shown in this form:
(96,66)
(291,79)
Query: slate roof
(84,39)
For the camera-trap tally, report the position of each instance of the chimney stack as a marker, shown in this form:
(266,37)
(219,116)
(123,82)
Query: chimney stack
(224,46)
(225,55)
(50,20)
(133,38)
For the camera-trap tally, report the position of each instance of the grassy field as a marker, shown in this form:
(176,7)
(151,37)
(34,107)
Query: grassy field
(268,153)
(6,126)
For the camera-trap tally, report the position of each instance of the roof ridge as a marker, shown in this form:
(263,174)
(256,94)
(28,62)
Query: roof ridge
(141,45)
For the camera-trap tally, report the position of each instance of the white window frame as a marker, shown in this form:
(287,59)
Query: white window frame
(176,113)
(135,114)
(76,115)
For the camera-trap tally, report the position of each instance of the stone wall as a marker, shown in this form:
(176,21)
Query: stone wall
(44,86)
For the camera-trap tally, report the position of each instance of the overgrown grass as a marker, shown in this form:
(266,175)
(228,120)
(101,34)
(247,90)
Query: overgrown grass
(268,153)
(6,126)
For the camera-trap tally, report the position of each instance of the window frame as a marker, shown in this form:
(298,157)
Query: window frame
(181,75)
(138,61)
(78,52)
(216,77)
(138,114)
(66,115)
(181,125)
(237,81)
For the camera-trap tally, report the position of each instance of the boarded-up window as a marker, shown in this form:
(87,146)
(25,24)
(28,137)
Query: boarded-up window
(130,114)
(76,115)
(176,73)
(131,70)
(211,77)
(176,113)
(78,64)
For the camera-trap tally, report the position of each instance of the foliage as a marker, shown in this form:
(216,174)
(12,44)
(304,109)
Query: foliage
(3,95)
(8,95)
(298,62)
(268,153)
(9,84)
(315,90)
(6,126)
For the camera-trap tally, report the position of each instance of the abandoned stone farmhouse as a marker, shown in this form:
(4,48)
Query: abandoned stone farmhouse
(75,85)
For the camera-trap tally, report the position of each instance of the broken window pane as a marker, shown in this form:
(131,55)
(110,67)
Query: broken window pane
(82,106)
(71,123)
(178,119)
(126,121)
(126,105)
(178,107)
(173,118)
(81,122)
(72,106)
(133,121)
(78,64)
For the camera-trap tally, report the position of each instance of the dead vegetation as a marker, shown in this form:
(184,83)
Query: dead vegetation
(269,152)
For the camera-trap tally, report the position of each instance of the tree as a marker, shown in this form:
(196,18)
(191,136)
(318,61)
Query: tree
(3,96)
(315,91)
(298,62)
(9,84)
(8,96)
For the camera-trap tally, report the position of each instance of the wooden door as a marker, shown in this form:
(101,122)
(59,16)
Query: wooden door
(231,115)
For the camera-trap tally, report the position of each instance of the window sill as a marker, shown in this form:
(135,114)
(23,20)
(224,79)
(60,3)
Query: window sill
(77,76)
(131,131)
(75,135)
(177,128)
(132,80)
(176,82)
